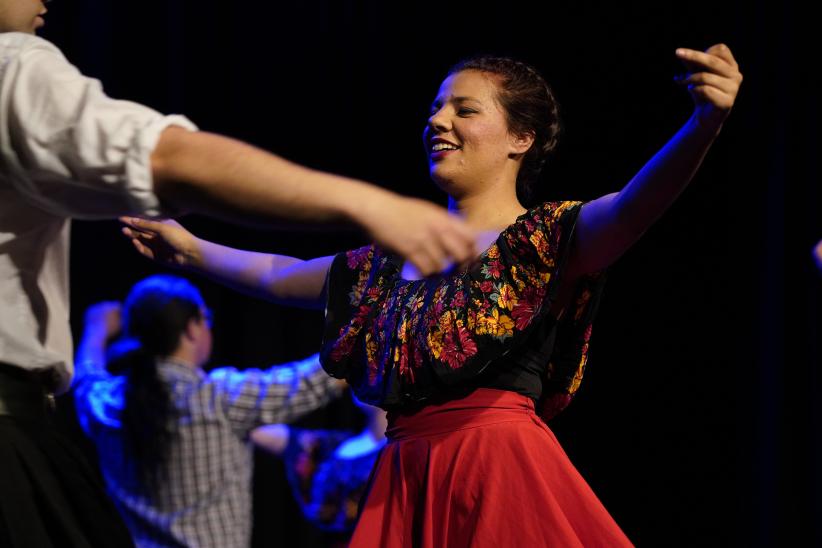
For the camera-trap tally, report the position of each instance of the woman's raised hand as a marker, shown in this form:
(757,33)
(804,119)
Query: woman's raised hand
(713,80)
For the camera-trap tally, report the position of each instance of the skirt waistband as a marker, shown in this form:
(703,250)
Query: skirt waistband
(23,394)
(481,407)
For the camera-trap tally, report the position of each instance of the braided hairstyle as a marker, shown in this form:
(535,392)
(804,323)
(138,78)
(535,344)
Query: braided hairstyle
(156,313)
(530,108)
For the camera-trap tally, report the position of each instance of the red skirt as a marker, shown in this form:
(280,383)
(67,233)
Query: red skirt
(479,471)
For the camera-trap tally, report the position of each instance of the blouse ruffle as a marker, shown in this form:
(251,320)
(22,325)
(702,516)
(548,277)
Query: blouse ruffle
(399,342)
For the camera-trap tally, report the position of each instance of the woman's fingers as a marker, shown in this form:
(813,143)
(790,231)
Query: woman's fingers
(698,60)
(713,82)
(723,52)
(719,99)
(725,85)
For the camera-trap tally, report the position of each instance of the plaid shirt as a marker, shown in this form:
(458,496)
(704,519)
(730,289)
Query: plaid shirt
(205,498)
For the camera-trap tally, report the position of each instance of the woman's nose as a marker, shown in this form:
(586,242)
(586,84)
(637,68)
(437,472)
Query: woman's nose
(439,121)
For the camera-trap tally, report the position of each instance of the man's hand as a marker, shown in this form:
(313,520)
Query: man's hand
(426,235)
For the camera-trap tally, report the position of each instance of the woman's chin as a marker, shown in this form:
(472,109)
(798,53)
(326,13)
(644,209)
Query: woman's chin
(445,183)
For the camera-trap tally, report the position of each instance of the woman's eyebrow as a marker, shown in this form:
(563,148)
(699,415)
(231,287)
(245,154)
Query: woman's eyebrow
(458,99)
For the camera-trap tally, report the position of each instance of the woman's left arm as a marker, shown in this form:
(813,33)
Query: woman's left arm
(609,225)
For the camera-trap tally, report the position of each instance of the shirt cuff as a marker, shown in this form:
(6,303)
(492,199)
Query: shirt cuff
(138,163)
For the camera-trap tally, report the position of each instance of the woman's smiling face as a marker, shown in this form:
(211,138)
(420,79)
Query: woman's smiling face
(467,137)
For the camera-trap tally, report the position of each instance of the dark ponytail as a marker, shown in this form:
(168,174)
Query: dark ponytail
(156,314)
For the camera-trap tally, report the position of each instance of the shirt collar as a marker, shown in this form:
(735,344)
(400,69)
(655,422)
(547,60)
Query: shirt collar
(176,369)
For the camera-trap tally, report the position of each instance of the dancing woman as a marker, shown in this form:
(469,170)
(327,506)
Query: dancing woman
(466,363)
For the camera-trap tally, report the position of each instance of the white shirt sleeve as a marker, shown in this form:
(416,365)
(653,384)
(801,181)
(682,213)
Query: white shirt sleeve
(66,146)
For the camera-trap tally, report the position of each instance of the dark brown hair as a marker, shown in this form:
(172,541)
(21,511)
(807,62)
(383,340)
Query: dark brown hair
(530,108)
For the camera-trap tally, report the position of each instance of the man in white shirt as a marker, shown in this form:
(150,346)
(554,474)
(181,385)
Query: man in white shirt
(67,150)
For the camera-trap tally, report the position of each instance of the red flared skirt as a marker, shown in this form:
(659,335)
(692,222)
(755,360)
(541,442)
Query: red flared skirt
(479,471)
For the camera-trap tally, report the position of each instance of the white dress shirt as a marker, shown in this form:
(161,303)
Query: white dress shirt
(66,150)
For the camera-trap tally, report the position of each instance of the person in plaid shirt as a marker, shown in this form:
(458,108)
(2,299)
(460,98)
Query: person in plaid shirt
(173,440)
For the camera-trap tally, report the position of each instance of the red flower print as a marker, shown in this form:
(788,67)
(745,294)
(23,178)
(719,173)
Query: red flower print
(458,347)
(373,293)
(528,306)
(344,344)
(495,269)
(459,300)
(357,258)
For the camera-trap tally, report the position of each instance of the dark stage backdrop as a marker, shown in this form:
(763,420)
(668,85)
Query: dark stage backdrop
(696,423)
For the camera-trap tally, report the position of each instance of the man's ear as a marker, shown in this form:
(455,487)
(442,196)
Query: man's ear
(190,332)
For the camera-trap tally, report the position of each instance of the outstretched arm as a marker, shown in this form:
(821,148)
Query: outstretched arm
(609,225)
(222,177)
(273,438)
(102,321)
(76,152)
(282,393)
(279,278)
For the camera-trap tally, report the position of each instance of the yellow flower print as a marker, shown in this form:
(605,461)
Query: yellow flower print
(403,334)
(435,343)
(578,375)
(497,325)
(481,326)
(556,214)
(370,347)
(471,321)
(493,252)
(517,279)
(506,325)
(539,241)
(447,320)
(507,297)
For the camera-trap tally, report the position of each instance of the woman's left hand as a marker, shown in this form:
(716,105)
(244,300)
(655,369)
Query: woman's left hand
(713,81)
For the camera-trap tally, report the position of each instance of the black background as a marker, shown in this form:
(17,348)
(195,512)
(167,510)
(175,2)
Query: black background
(697,422)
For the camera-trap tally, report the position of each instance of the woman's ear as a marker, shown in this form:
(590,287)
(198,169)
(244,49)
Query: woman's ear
(521,143)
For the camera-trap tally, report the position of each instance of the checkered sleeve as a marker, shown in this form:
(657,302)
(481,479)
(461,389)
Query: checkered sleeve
(282,393)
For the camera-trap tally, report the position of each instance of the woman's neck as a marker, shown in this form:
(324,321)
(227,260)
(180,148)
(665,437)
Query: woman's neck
(492,210)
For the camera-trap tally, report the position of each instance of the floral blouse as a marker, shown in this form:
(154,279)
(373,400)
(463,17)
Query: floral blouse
(400,342)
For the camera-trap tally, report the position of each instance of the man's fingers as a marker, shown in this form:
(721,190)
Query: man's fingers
(460,250)
(423,263)
(460,243)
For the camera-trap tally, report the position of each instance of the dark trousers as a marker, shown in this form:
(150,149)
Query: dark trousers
(50,496)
